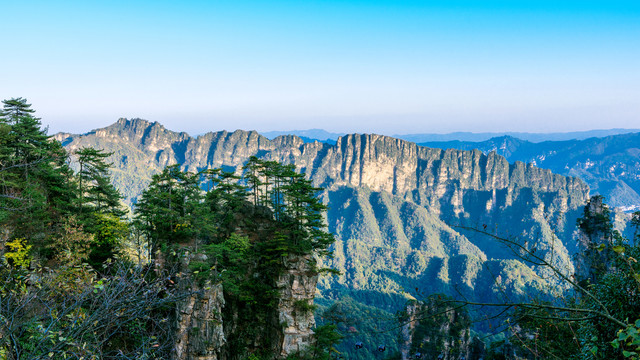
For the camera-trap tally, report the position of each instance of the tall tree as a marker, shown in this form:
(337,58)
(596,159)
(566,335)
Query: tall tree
(37,187)
(14,109)
(252,178)
(96,193)
(223,201)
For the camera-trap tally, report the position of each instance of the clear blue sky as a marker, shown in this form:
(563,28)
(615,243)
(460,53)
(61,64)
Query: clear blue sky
(348,66)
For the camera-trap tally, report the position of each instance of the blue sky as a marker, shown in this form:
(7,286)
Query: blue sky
(347,66)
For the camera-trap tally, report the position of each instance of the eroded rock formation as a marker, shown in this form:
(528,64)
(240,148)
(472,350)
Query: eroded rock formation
(438,331)
(297,288)
(199,330)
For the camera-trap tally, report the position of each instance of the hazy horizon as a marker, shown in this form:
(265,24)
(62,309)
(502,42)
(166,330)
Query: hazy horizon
(390,67)
(268,133)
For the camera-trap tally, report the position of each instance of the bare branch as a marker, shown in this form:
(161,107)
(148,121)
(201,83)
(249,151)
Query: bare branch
(542,262)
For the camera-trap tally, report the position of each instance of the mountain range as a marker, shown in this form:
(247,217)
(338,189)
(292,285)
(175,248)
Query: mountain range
(326,136)
(532,137)
(397,209)
(607,160)
(609,165)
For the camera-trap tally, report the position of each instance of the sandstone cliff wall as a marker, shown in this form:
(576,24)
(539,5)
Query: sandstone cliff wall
(297,287)
(381,163)
(199,328)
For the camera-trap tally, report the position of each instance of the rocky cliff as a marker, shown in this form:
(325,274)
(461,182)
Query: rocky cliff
(610,165)
(423,175)
(436,331)
(199,328)
(297,289)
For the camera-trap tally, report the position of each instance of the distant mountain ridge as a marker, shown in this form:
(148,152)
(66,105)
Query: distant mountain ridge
(610,165)
(311,135)
(531,137)
(392,205)
(614,172)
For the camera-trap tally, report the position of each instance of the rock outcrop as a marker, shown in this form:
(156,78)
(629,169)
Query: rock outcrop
(199,328)
(596,258)
(200,325)
(438,331)
(297,288)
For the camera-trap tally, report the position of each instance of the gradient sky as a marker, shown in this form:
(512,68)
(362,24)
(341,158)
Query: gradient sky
(347,66)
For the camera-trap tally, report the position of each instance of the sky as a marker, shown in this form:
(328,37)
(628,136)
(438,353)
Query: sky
(389,67)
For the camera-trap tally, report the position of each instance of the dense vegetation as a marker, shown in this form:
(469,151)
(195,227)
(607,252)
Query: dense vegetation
(61,292)
(80,279)
(596,317)
(244,226)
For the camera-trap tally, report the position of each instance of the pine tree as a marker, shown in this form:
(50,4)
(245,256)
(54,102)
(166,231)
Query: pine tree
(14,109)
(306,212)
(96,194)
(252,177)
(223,201)
(36,181)
(167,208)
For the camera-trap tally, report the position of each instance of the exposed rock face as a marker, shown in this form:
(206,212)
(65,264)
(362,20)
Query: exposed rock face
(610,165)
(438,332)
(199,331)
(297,287)
(595,258)
(200,328)
(380,163)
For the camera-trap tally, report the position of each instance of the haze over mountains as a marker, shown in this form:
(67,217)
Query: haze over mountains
(323,135)
(532,137)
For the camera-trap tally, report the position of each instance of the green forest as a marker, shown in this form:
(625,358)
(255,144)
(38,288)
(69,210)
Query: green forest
(83,276)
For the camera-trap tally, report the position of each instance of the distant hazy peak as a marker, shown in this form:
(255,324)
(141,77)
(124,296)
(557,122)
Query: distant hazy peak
(311,134)
(135,123)
(532,137)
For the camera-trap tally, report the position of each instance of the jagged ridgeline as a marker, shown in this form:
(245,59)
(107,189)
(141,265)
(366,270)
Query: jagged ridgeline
(393,206)
(610,165)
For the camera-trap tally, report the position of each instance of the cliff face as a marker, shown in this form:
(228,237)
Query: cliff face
(596,257)
(437,331)
(426,176)
(199,328)
(610,165)
(297,288)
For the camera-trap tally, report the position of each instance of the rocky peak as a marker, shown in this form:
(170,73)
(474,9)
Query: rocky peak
(147,135)
(595,258)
